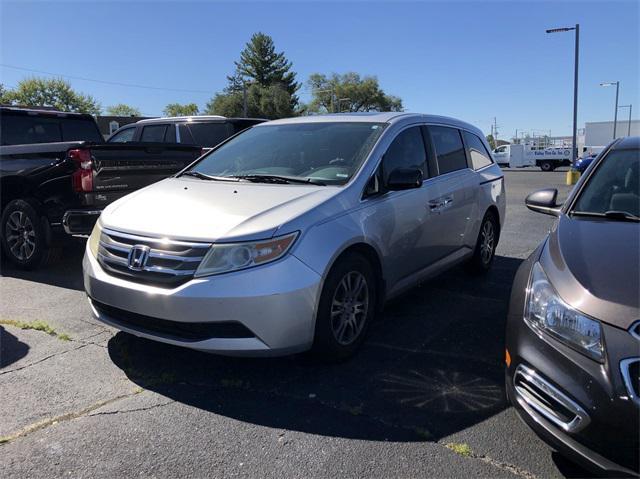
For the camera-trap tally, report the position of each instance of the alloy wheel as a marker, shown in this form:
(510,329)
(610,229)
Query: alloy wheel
(487,241)
(349,308)
(20,235)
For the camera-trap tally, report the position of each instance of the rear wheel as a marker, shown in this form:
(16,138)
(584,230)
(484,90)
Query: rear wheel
(546,166)
(24,235)
(486,244)
(347,307)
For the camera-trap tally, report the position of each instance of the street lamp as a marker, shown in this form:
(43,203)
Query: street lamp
(575,86)
(615,115)
(629,123)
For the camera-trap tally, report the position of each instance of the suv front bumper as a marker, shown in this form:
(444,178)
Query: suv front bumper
(275,304)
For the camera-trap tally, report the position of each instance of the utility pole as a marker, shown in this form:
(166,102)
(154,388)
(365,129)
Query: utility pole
(495,130)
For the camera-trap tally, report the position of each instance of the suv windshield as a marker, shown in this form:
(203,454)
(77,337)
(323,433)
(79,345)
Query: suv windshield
(327,152)
(614,187)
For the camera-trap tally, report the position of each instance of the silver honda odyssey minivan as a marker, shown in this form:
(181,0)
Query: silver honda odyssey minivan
(292,234)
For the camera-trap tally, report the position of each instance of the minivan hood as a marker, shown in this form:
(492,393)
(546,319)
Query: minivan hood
(594,265)
(201,210)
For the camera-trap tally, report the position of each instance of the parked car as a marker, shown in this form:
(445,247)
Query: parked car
(204,131)
(56,174)
(573,332)
(583,162)
(291,235)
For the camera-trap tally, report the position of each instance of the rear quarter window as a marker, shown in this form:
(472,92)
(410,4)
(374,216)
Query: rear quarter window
(479,155)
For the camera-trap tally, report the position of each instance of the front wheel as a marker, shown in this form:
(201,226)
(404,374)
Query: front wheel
(347,307)
(486,244)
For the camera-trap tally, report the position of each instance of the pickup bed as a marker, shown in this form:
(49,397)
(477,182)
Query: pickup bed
(62,186)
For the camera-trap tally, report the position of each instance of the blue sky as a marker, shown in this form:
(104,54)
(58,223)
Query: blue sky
(472,60)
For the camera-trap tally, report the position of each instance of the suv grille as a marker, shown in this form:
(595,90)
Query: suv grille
(169,264)
(630,369)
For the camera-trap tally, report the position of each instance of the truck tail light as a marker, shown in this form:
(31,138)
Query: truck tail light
(82,178)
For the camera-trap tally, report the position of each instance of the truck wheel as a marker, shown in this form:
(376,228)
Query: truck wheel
(347,307)
(24,235)
(546,166)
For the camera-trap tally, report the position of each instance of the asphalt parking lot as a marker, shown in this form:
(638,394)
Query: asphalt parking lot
(423,398)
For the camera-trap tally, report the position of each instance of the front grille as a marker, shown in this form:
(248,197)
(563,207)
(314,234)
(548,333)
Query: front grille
(175,330)
(630,369)
(170,263)
(537,395)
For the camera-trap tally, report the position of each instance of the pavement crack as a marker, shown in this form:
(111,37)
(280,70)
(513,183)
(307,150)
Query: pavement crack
(126,411)
(61,418)
(41,360)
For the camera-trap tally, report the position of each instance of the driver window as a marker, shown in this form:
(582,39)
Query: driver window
(406,151)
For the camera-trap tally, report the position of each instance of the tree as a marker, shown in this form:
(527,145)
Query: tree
(176,109)
(3,95)
(492,142)
(262,102)
(349,92)
(123,110)
(259,63)
(54,92)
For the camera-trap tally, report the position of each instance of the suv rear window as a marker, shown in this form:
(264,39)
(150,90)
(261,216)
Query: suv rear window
(24,129)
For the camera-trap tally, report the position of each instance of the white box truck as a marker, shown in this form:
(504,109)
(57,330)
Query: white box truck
(519,156)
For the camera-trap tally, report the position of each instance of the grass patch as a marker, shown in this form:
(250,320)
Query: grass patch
(460,449)
(36,326)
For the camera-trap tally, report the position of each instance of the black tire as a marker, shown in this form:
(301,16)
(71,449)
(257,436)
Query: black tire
(547,166)
(25,235)
(482,258)
(329,343)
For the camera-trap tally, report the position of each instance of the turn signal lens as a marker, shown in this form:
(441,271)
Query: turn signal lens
(94,239)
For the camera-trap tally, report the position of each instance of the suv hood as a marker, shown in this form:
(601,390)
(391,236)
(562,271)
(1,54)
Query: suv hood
(594,265)
(201,210)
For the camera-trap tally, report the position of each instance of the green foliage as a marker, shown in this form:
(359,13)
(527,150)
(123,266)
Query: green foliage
(461,449)
(492,141)
(123,110)
(3,92)
(265,77)
(36,326)
(176,109)
(54,92)
(349,92)
(269,102)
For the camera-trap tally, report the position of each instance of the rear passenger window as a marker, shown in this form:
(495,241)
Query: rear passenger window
(449,149)
(170,136)
(406,151)
(479,155)
(185,134)
(153,133)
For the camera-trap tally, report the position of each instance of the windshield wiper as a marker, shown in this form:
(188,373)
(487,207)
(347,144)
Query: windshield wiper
(611,214)
(202,176)
(284,180)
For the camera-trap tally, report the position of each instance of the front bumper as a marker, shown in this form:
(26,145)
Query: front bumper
(580,407)
(274,303)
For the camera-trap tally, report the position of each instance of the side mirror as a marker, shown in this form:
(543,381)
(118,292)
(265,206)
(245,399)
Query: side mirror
(404,179)
(544,201)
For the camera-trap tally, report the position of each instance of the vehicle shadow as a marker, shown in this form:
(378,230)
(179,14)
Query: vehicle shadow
(11,348)
(66,272)
(432,365)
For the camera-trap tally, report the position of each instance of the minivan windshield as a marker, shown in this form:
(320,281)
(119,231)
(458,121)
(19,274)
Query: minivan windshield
(613,191)
(321,152)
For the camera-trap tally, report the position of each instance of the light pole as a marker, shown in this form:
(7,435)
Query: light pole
(575,86)
(615,115)
(629,123)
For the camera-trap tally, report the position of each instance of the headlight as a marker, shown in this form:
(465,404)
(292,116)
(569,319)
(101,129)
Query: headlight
(545,311)
(226,257)
(94,239)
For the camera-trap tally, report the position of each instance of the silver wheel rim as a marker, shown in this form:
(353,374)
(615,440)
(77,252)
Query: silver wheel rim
(20,235)
(349,308)
(487,238)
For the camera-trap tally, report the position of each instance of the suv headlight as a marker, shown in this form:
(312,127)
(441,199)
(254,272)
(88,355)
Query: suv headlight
(94,239)
(545,311)
(226,257)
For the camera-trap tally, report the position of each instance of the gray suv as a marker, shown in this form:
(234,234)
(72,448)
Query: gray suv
(291,235)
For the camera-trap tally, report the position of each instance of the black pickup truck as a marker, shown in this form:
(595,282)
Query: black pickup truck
(57,174)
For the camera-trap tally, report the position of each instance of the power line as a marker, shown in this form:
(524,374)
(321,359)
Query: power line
(106,82)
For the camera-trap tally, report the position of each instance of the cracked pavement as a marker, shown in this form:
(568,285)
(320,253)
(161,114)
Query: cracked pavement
(107,404)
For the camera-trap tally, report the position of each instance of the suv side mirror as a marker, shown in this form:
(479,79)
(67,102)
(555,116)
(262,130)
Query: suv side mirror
(544,201)
(404,179)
